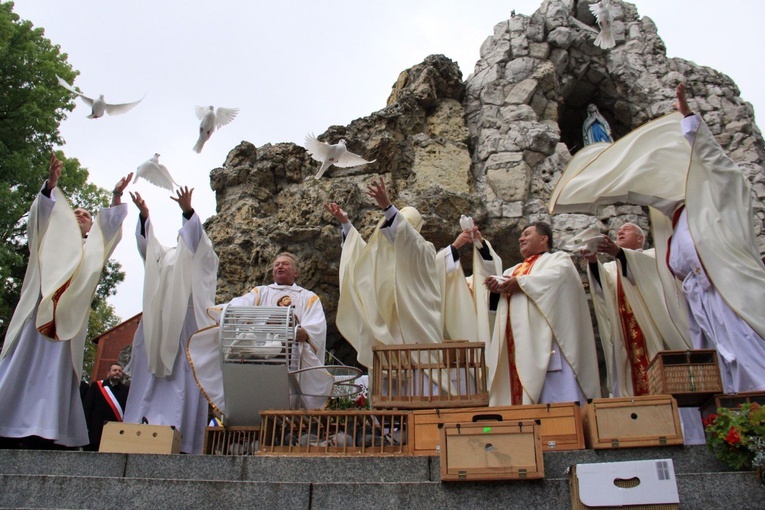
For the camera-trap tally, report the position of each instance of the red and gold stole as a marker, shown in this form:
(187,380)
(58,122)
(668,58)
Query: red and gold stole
(634,342)
(49,328)
(516,388)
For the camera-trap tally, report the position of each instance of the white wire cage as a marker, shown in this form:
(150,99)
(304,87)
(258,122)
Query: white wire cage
(257,352)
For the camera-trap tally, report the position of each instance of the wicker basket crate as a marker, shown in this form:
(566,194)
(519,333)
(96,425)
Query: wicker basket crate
(417,376)
(689,376)
(731,401)
(231,440)
(335,432)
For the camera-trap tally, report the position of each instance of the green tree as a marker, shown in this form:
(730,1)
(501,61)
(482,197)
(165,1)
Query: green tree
(32,105)
(102,319)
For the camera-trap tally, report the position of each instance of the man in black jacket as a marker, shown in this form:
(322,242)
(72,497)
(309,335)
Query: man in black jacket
(105,401)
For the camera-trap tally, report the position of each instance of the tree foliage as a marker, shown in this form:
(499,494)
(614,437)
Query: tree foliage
(102,319)
(32,105)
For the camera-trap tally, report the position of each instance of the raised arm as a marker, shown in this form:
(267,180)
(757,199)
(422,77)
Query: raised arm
(192,231)
(143,217)
(682,101)
(54,172)
(119,188)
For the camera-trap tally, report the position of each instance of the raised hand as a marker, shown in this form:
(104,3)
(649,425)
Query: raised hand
(184,199)
(119,188)
(682,102)
(377,191)
(54,171)
(335,210)
(141,204)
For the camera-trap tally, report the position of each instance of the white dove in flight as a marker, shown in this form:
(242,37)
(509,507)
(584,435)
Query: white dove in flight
(212,119)
(155,173)
(335,154)
(605,13)
(99,106)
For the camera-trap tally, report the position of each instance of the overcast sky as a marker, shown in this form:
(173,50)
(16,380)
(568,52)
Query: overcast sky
(293,67)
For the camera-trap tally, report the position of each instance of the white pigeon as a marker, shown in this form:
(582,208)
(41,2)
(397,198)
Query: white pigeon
(212,119)
(467,223)
(155,173)
(335,154)
(605,13)
(99,106)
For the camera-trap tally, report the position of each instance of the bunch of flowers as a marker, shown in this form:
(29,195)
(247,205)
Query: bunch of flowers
(737,436)
(350,403)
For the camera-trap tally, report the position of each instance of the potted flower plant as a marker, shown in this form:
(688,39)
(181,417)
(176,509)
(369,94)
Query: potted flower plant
(737,436)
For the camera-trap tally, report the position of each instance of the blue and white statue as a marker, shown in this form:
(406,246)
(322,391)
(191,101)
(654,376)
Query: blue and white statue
(595,127)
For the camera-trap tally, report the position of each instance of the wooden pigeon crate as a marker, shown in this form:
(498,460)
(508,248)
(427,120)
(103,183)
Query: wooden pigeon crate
(419,376)
(231,440)
(560,424)
(692,377)
(491,451)
(628,422)
(335,432)
(731,401)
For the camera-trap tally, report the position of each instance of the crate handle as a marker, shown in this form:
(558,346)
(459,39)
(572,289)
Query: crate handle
(479,417)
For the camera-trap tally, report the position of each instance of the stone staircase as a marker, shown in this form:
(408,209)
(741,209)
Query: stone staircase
(65,479)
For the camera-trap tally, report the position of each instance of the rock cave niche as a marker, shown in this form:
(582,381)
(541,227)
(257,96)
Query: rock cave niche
(573,112)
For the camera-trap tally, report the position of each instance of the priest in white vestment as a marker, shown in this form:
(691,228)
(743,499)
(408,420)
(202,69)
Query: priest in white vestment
(314,383)
(710,237)
(179,286)
(634,318)
(543,348)
(713,252)
(41,359)
(396,289)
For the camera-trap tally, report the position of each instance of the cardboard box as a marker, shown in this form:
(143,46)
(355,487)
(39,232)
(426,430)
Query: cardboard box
(139,438)
(689,376)
(560,424)
(491,451)
(637,485)
(650,420)
(428,376)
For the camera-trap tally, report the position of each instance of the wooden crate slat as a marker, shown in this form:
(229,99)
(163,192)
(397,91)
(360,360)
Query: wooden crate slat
(422,376)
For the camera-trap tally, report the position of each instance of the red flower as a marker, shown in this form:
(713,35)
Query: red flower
(733,436)
(709,420)
(360,400)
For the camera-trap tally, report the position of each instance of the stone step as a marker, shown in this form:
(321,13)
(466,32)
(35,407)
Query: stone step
(62,479)
(739,490)
(314,469)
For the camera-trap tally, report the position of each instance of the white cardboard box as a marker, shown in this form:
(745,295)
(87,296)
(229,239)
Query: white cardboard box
(627,484)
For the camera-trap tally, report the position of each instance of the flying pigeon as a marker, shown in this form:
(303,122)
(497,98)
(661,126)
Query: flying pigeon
(211,120)
(155,173)
(466,223)
(335,154)
(605,13)
(99,106)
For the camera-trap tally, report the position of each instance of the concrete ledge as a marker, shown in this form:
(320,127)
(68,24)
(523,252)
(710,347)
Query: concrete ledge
(43,462)
(186,467)
(337,469)
(23,491)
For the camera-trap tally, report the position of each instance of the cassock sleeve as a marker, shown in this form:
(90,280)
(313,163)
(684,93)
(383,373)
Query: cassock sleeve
(191,232)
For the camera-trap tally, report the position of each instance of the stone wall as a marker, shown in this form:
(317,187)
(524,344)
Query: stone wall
(492,146)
